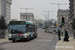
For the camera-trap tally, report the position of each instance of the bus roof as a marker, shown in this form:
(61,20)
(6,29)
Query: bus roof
(30,22)
(21,22)
(16,22)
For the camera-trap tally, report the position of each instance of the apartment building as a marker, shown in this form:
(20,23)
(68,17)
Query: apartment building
(72,10)
(5,9)
(26,16)
(63,13)
(0,8)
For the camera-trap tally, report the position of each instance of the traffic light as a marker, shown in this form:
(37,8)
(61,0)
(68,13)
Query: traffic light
(62,20)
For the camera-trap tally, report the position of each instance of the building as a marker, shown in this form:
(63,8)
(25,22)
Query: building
(26,16)
(63,13)
(14,20)
(5,9)
(72,13)
(40,23)
(53,20)
(72,10)
(0,8)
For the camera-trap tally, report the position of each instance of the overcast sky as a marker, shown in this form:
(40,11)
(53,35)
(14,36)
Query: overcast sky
(38,7)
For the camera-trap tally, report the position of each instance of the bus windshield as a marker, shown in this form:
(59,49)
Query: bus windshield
(17,28)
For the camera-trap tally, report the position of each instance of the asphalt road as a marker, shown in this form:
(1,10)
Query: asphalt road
(44,41)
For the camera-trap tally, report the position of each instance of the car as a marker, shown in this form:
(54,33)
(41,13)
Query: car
(56,30)
(50,30)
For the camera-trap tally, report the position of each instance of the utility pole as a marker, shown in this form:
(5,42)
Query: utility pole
(45,16)
(26,11)
(59,4)
(48,14)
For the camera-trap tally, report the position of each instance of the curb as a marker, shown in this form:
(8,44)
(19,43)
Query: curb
(2,41)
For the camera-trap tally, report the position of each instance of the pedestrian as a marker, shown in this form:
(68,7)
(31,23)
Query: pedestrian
(66,38)
(59,33)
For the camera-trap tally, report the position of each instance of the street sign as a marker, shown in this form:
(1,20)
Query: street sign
(57,25)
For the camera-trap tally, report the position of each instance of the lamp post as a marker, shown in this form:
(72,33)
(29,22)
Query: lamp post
(26,11)
(59,4)
(48,14)
(45,16)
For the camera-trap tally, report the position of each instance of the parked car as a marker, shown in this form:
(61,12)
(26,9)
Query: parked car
(50,30)
(56,30)
(53,30)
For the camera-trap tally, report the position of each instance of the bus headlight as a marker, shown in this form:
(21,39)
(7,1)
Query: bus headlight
(9,35)
(25,35)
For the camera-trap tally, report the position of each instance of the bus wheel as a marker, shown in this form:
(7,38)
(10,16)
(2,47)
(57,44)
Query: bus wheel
(13,40)
(36,36)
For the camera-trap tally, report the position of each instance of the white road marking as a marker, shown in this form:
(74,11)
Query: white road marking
(43,40)
(56,45)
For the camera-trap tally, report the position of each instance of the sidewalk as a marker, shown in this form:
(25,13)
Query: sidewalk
(4,40)
(61,45)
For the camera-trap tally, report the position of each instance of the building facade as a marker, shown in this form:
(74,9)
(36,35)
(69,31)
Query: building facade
(26,16)
(72,13)
(40,22)
(63,13)
(72,10)
(0,8)
(14,20)
(5,9)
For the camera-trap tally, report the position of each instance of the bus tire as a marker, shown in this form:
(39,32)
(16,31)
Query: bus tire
(13,40)
(36,36)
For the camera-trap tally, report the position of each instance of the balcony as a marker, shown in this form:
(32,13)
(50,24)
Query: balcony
(9,1)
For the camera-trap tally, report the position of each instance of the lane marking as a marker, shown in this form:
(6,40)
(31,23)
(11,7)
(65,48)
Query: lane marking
(56,45)
(43,40)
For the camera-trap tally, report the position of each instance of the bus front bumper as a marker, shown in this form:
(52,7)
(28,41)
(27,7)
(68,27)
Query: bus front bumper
(17,38)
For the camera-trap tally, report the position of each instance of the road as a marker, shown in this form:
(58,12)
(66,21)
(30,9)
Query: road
(44,41)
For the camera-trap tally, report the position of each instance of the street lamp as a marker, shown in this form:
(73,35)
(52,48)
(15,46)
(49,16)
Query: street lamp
(26,11)
(45,16)
(48,13)
(59,4)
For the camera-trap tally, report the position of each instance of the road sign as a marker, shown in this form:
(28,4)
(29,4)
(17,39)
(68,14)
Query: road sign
(57,25)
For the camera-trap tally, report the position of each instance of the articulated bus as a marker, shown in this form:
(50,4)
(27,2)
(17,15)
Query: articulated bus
(21,30)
